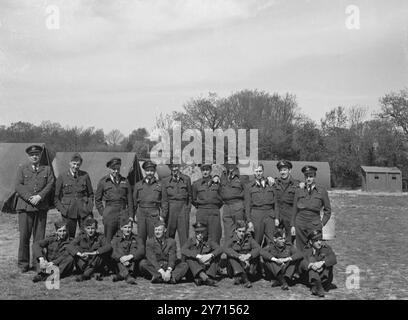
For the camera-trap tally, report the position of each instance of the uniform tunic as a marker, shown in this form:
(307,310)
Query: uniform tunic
(192,248)
(178,192)
(262,209)
(151,204)
(306,212)
(118,201)
(74,198)
(32,219)
(207,200)
(325,254)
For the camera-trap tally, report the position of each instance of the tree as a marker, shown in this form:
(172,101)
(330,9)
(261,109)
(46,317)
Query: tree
(394,106)
(114,138)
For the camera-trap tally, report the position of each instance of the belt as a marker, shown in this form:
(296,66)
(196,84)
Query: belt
(265,207)
(177,200)
(116,204)
(233,201)
(147,205)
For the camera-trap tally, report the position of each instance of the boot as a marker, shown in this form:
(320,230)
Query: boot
(130,280)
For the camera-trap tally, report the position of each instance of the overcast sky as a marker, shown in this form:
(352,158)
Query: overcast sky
(118,64)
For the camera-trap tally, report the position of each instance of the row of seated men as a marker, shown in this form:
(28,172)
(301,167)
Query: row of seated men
(90,254)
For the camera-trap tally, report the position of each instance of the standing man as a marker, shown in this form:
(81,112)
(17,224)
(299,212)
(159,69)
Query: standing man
(232,193)
(34,184)
(74,196)
(177,190)
(286,187)
(261,206)
(307,204)
(116,191)
(150,202)
(207,200)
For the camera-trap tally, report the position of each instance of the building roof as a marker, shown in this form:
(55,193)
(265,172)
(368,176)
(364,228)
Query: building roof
(381,169)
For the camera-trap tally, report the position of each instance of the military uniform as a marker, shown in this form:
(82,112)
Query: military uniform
(306,212)
(74,198)
(84,243)
(207,200)
(261,208)
(178,193)
(161,254)
(118,202)
(232,193)
(32,181)
(235,247)
(123,246)
(288,250)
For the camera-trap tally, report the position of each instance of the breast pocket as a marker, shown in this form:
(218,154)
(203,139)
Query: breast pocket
(67,189)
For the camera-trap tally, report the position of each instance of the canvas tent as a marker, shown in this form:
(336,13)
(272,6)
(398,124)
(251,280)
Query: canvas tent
(95,164)
(11,156)
(385,179)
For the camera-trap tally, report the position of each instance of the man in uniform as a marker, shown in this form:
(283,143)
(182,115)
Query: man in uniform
(160,262)
(207,200)
(243,254)
(116,191)
(34,184)
(202,256)
(74,196)
(178,192)
(285,186)
(318,263)
(307,203)
(261,206)
(150,201)
(51,251)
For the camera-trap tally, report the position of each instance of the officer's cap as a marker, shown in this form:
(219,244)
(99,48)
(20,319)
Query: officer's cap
(59,224)
(315,235)
(279,233)
(284,164)
(148,164)
(205,166)
(172,164)
(124,220)
(113,162)
(159,223)
(309,169)
(198,226)
(34,149)
(91,221)
(240,224)
(76,157)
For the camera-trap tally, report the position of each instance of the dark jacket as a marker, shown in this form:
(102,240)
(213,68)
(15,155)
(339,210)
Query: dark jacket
(30,183)
(206,194)
(150,195)
(123,246)
(260,197)
(114,194)
(161,255)
(288,250)
(180,190)
(285,193)
(51,248)
(74,197)
(83,243)
(325,253)
(192,248)
(232,188)
(235,247)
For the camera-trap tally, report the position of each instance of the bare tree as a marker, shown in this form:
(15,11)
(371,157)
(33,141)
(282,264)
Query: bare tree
(114,137)
(394,106)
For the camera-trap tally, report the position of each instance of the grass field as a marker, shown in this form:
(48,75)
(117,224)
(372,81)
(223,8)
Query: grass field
(371,234)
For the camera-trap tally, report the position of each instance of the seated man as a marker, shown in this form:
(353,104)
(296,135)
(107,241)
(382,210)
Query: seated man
(161,261)
(318,263)
(128,251)
(281,258)
(51,251)
(202,256)
(243,253)
(90,250)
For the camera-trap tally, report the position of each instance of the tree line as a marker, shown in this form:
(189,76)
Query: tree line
(346,137)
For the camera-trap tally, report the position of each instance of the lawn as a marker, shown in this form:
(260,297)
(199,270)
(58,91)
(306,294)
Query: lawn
(371,238)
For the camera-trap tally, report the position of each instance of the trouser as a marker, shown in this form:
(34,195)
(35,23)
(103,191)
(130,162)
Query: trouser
(264,224)
(65,265)
(72,224)
(111,220)
(325,276)
(147,268)
(196,267)
(231,214)
(30,223)
(146,217)
(285,224)
(90,265)
(236,267)
(178,220)
(303,229)
(130,270)
(286,269)
(211,217)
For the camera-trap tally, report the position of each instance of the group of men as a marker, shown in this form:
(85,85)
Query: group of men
(261,220)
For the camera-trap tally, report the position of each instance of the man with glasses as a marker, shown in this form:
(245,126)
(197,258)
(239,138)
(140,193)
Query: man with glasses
(33,185)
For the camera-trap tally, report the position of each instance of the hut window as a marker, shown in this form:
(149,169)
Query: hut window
(376,177)
(394,178)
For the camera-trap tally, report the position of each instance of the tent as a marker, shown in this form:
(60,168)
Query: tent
(95,164)
(11,156)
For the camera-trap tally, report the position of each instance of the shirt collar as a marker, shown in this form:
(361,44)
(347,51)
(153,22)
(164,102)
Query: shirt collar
(153,180)
(180,178)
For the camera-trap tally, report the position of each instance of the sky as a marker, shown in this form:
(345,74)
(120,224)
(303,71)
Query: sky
(119,64)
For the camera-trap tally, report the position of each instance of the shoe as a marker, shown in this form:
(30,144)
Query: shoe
(117,278)
(38,278)
(198,281)
(82,277)
(210,282)
(24,269)
(285,285)
(319,289)
(98,277)
(275,284)
(130,280)
(248,284)
(237,280)
(157,279)
(172,281)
